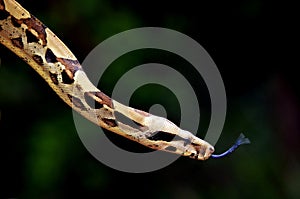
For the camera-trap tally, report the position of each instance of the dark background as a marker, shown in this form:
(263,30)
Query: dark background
(251,41)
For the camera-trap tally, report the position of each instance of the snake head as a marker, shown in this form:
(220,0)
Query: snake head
(203,152)
(195,147)
(200,149)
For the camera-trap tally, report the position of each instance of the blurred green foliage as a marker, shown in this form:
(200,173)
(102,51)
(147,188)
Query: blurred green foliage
(42,156)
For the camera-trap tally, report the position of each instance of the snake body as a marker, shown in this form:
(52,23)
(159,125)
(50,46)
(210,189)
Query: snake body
(40,48)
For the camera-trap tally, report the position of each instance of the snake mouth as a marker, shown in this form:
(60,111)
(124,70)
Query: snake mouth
(207,152)
(202,152)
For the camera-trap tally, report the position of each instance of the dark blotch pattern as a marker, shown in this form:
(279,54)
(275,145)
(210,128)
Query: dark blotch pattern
(15,22)
(1,5)
(77,102)
(104,99)
(18,42)
(129,122)
(161,135)
(154,146)
(53,78)
(91,102)
(3,14)
(38,59)
(140,126)
(50,57)
(110,122)
(32,23)
(38,26)
(193,156)
(171,148)
(66,78)
(186,142)
(31,38)
(71,65)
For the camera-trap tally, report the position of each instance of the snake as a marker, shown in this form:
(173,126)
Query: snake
(39,47)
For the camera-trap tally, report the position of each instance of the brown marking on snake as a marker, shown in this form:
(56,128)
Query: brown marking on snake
(25,59)
(53,77)
(92,101)
(32,23)
(99,97)
(50,57)
(4,14)
(15,22)
(186,142)
(110,122)
(141,127)
(38,59)
(66,77)
(120,117)
(18,42)
(154,146)
(71,66)
(105,99)
(2,6)
(77,102)
(31,38)
(38,26)
(171,148)
(143,113)
(193,156)
(161,135)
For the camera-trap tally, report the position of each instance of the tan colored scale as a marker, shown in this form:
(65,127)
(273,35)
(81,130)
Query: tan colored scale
(49,56)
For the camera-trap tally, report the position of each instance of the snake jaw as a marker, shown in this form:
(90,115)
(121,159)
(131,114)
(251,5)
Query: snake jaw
(203,153)
(203,150)
(208,152)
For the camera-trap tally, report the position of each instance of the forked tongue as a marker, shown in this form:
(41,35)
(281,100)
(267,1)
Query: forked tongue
(240,141)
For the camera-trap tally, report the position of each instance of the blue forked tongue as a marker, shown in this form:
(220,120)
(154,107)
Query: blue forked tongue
(241,140)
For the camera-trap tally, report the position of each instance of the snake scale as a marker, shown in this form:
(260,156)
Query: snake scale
(40,48)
